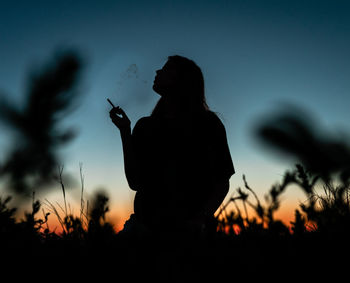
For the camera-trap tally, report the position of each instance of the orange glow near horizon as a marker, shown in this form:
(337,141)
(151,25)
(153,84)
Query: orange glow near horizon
(120,209)
(115,217)
(118,217)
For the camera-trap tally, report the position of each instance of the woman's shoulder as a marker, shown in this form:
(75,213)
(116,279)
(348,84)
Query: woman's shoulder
(212,125)
(212,119)
(143,120)
(142,124)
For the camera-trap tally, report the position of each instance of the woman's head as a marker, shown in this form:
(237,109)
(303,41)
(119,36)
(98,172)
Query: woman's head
(181,80)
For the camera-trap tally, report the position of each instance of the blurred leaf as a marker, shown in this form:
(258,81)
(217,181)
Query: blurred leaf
(34,156)
(299,136)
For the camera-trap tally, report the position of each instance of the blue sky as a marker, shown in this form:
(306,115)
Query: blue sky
(255,55)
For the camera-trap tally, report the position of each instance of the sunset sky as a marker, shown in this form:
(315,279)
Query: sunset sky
(255,56)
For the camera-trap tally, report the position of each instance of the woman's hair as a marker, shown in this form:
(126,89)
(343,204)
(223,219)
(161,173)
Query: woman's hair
(190,86)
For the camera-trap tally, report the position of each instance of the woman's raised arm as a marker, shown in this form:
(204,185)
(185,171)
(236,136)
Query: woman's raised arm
(131,165)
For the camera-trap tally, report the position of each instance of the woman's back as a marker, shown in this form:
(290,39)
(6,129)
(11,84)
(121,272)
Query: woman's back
(180,159)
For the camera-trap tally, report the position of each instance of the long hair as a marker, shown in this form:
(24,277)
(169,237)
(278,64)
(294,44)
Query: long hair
(190,86)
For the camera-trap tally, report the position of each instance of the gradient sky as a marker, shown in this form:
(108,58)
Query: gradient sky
(253,54)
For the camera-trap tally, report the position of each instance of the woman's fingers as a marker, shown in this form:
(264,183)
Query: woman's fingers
(117,110)
(121,111)
(114,112)
(119,118)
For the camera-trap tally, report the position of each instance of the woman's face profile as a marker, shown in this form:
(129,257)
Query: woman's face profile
(166,79)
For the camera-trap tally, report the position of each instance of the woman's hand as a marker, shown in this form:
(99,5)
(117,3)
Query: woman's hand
(119,118)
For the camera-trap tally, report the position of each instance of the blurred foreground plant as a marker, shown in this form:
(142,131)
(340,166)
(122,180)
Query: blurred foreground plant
(34,157)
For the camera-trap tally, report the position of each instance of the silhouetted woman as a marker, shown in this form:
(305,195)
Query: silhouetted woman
(177,159)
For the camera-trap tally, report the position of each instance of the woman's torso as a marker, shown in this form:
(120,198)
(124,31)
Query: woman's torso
(176,165)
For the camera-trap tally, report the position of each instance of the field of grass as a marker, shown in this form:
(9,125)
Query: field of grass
(232,240)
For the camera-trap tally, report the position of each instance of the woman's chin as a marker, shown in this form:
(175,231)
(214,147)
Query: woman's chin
(156,89)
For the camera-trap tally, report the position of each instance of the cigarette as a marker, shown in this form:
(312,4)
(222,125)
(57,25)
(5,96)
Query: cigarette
(110,102)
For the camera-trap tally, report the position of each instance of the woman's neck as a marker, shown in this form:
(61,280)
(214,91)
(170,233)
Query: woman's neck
(171,109)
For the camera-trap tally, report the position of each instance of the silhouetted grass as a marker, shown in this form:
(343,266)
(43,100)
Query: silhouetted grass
(247,235)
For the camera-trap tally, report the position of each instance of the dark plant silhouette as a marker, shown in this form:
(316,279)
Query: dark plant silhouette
(99,230)
(247,232)
(264,222)
(298,135)
(91,224)
(33,160)
(7,220)
(325,161)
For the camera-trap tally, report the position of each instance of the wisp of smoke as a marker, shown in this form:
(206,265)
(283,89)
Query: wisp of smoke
(131,89)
